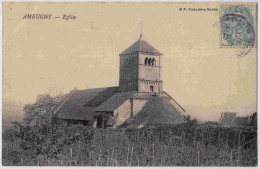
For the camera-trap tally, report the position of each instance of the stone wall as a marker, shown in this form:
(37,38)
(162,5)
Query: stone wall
(129,108)
(128,74)
(140,72)
(149,75)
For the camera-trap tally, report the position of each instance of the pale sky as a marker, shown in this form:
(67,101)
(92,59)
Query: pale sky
(56,55)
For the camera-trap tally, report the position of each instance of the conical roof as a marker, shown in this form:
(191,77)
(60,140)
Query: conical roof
(141,46)
(158,111)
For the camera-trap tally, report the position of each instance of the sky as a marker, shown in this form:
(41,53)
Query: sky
(55,56)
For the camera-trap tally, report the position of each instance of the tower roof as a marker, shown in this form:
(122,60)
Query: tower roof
(141,46)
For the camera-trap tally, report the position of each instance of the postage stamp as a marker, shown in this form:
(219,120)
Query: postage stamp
(237,26)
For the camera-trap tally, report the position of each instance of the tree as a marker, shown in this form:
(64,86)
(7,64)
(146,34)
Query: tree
(39,133)
(253,119)
(36,129)
(42,110)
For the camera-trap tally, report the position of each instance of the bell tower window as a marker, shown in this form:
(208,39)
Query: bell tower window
(153,62)
(146,61)
(149,61)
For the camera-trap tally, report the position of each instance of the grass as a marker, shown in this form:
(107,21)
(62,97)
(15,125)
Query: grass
(197,145)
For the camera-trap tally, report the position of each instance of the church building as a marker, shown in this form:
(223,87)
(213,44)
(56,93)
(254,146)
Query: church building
(138,101)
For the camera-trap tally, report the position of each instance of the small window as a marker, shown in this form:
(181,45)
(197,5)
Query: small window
(149,61)
(153,62)
(146,61)
(151,88)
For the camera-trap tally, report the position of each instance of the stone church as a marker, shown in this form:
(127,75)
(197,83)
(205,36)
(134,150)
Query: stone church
(138,101)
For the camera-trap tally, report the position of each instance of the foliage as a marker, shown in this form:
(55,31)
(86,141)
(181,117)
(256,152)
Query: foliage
(40,112)
(40,139)
(40,133)
(189,144)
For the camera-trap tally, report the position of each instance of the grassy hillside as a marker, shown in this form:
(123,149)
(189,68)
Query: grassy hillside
(182,145)
(12,112)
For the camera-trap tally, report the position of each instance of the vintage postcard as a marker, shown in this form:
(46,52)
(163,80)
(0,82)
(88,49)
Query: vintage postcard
(129,84)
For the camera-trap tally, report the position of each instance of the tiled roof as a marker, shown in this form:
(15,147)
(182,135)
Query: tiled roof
(141,46)
(102,96)
(241,121)
(81,104)
(115,101)
(157,111)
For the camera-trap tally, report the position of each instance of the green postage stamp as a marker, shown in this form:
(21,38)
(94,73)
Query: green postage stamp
(238,25)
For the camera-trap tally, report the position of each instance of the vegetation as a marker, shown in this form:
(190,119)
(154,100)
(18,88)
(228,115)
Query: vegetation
(42,140)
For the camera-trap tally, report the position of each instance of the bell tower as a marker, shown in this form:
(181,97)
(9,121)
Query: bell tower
(140,68)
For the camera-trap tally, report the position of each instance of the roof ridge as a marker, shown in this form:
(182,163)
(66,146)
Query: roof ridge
(97,88)
(175,101)
(59,107)
(141,46)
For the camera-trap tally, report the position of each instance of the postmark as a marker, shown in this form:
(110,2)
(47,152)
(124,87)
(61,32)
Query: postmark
(237,27)
(236,31)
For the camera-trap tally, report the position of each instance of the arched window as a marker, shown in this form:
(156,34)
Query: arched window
(149,61)
(153,62)
(145,61)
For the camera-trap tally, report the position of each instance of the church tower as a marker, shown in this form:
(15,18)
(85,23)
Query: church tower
(140,68)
